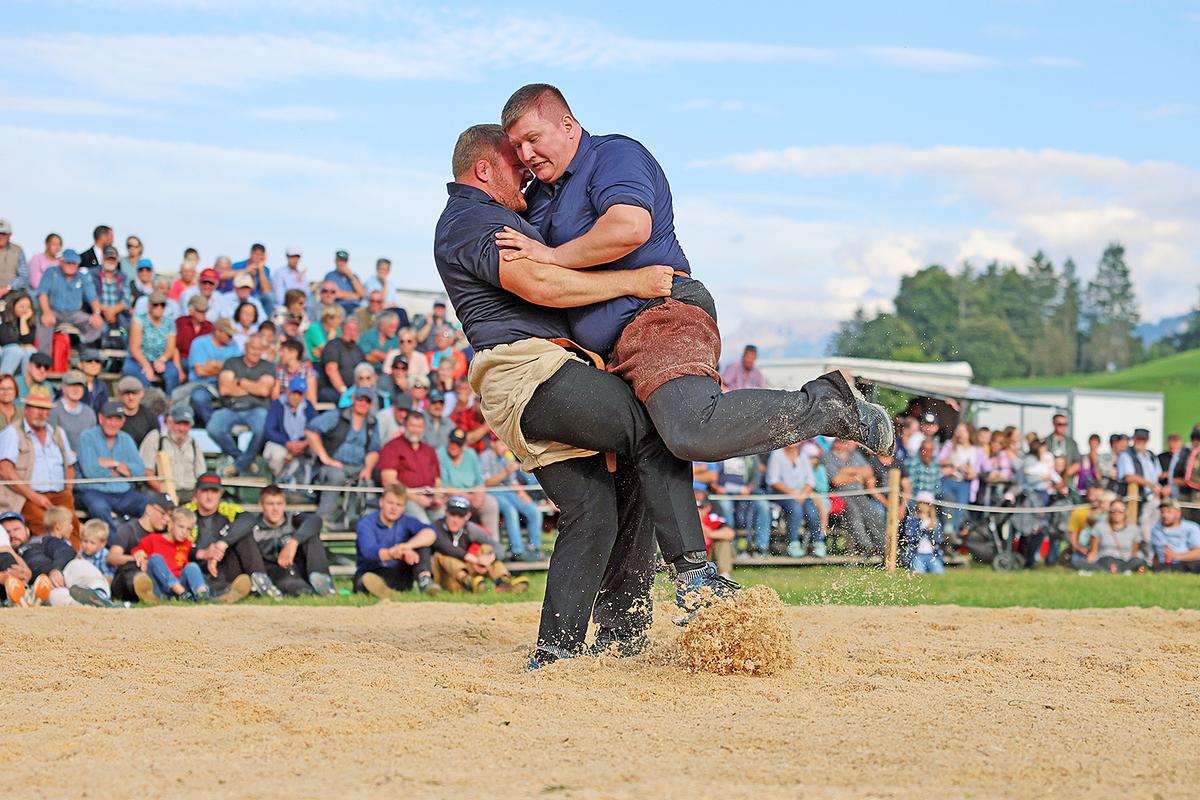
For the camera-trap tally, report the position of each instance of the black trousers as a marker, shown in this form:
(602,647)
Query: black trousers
(243,558)
(400,577)
(122,582)
(293,581)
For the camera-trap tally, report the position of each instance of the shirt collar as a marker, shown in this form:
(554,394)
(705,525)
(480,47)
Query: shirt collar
(456,189)
(584,152)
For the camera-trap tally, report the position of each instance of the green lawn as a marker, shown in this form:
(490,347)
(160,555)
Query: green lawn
(1176,376)
(972,586)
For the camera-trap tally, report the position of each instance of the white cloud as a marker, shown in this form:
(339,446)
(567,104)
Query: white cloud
(295,114)
(1172,110)
(64,106)
(1056,62)
(928,59)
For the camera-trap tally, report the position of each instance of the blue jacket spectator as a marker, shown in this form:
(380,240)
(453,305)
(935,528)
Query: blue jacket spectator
(109,452)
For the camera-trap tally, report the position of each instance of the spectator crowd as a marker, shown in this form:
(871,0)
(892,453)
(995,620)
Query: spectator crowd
(120,382)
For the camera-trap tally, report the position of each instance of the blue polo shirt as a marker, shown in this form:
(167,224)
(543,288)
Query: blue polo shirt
(374,536)
(607,171)
(464,249)
(205,349)
(343,283)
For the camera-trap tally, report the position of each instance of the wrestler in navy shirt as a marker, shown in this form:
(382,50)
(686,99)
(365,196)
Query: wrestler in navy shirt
(607,171)
(464,249)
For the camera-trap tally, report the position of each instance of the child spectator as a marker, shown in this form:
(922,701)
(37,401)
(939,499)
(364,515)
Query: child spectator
(921,540)
(718,536)
(86,579)
(93,547)
(59,522)
(170,572)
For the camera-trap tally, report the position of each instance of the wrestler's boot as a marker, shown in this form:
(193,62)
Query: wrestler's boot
(878,432)
(700,586)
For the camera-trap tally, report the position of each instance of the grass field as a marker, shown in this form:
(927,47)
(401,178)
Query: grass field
(1176,376)
(973,586)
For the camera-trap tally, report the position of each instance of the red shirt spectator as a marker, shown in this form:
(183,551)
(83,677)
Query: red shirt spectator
(186,330)
(176,554)
(414,465)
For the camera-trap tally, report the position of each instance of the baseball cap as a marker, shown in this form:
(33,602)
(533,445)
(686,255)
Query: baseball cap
(111,252)
(224,325)
(925,497)
(458,436)
(69,257)
(298,384)
(929,418)
(39,397)
(258,246)
(292,250)
(89,354)
(161,500)
(456,505)
(402,400)
(113,408)
(1141,433)
(7,515)
(437,396)
(157,297)
(209,480)
(74,378)
(365,391)
(145,263)
(198,302)
(402,361)
(129,384)
(41,360)
(5,226)
(209,276)
(243,279)
(342,255)
(182,413)
(1168,502)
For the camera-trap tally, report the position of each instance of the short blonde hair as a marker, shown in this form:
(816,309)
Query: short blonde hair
(57,515)
(184,516)
(94,529)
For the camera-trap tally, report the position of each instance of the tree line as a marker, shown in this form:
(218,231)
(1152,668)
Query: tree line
(1012,321)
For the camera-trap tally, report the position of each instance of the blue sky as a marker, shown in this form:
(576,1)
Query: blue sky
(816,152)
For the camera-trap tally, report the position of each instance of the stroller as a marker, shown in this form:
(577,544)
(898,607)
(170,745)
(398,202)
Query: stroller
(991,539)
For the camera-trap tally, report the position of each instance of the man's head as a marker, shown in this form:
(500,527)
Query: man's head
(243,286)
(274,505)
(179,422)
(375,302)
(198,308)
(293,257)
(14,523)
(296,389)
(389,323)
(383,266)
(291,352)
(1095,489)
(38,403)
(929,424)
(102,235)
(363,402)
(1141,437)
(111,257)
(1174,443)
(37,368)
(258,253)
(391,504)
(208,493)
(74,385)
(112,418)
(351,330)
(183,522)
(484,158)
(749,357)
(443,337)
(458,512)
(437,403)
(1171,513)
(328,293)
(68,262)
(131,392)
(223,331)
(456,443)
(208,282)
(926,451)
(542,129)
(157,516)
(1060,425)
(414,427)
(89,362)
(408,341)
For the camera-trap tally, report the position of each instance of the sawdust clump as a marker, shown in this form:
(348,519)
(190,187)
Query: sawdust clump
(746,635)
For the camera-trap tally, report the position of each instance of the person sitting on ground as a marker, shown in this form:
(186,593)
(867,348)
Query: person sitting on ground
(36,463)
(108,452)
(292,365)
(223,560)
(338,360)
(95,392)
(61,295)
(1175,541)
(46,555)
(464,553)
(245,384)
(170,572)
(501,469)
(921,539)
(37,369)
(207,358)
(93,548)
(127,564)
(70,413)
(1118,541)
(184,456)
(393,549)
(345,443)
(1083,546)
(407,460)
(790,473)
(87,578)
(286,444)
(152,353)
(290,545)
(18,332)
(718,535)
(139,419)
(462,475)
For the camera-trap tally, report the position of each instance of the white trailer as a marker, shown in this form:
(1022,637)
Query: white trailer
(1088,411)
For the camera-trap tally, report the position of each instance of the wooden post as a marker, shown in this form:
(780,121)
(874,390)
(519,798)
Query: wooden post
(165,474)
(893,520)
(1131,504)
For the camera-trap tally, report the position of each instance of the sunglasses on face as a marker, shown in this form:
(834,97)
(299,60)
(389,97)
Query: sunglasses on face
(158,305)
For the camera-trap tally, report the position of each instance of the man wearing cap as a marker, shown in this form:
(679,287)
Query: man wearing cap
(245,386)
(1138,469)
(139,420)
(155,517)
(437,425)
(1174,540)
(287,428)
(93,257)
(205,287)
(38,456)
(184,458)
(256,267)
(345,443)
(290,545)
(107,452)
(462,474)
(14,271)
(222,560)
(189,327)
(338,360)
(292,277)
(207,358)
(143,280)
(744,374)
(113,290)
(392,549)
(243,292)
(95,392)
(61,295)
(350,290)
(391,422)
(464,553)
(71,413)
(37,368)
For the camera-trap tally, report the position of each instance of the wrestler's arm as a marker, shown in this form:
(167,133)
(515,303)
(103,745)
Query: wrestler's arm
(618,232)
(556,287)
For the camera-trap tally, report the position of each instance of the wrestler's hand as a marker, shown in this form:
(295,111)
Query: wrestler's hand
(653,281)
(517,245)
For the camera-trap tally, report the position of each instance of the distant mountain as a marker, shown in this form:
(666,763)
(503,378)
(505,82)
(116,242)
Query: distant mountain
(780,339)
(1152,332)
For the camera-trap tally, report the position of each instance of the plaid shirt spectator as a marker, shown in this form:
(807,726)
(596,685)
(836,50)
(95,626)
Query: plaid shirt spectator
(469,419)
(924,477)
(114,291)
(283,375)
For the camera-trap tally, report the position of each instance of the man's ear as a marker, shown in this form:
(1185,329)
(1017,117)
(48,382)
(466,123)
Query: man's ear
(570,126)
(483,170)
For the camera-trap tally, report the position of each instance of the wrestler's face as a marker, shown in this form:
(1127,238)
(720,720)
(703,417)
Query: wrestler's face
(508,176)
(545,146)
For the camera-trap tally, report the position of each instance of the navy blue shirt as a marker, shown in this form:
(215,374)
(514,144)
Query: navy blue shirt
(374,536)
(464,249)
(607,171)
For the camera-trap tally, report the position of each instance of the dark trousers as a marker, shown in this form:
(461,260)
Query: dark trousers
(699,422)
(122,582)
(603,557)
(242,558)
(293,581)
(400,577)
(586,407)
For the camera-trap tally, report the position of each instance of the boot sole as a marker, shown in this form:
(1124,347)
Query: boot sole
(238,590)
(143,587)
(376,586)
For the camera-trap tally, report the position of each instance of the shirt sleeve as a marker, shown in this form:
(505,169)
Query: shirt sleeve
(773,470)
(1124,466)
(149,449)
(130,455)
(8,444)
(323,422)
(89,293)
(625,174)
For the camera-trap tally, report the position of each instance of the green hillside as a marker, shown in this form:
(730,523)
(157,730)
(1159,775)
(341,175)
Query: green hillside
(1176,376)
